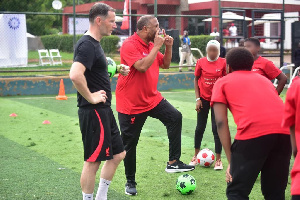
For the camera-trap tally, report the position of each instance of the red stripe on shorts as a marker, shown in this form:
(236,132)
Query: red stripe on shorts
(96,153)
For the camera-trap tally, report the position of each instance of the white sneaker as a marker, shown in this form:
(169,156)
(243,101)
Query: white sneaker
(218,165)
(194,161)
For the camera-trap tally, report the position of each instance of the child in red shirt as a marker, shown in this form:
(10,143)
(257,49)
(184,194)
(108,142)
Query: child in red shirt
(208,70)
(260,144)
(292,120)
(264,66)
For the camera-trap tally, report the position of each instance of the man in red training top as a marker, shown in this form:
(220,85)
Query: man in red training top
(292,120)
(260,142)
(264,66)
(137,96)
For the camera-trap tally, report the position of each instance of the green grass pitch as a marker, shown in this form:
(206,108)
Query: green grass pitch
(45,161)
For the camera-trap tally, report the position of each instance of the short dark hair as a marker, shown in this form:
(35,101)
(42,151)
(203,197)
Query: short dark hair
(144,21)
(239,58)
(255,41)
(99,9)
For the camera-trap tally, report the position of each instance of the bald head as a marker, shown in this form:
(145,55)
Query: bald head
(144,21)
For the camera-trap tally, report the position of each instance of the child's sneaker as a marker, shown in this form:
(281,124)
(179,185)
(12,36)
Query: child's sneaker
(218,165)
(194,161)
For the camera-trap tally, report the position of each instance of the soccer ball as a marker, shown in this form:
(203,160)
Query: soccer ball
(111,67)
(205,157)
(186,184)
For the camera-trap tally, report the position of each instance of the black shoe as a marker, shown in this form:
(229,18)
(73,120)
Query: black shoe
(178,166)
(180,70)
(130,188)
(190,70)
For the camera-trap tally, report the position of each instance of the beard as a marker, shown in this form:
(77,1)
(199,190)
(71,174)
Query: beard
(151,36)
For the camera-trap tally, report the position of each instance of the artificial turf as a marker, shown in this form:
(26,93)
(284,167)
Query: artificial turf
(40,161)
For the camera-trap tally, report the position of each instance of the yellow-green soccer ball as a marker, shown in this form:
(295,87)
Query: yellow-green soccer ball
(186,184)
(111,67)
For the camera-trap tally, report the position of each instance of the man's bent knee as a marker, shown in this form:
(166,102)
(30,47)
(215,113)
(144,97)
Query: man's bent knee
(119,157)
(178,116)
(91,166)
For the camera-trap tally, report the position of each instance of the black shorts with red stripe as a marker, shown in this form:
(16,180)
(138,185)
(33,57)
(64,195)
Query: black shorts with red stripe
(100,134)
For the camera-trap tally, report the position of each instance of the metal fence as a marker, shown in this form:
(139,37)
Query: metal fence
(267,25)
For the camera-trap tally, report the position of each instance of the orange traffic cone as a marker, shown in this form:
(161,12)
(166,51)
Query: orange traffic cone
(61,93)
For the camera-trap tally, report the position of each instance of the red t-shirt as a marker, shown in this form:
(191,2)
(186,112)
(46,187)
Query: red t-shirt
(254,103)
(266,68)
(209,73)
(292,117)
(137,92)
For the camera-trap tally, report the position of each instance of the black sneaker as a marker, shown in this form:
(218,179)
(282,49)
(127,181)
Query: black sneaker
(191,70)
(180,70)
(178,166)
(130,188)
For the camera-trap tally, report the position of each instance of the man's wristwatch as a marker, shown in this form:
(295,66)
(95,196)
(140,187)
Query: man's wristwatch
(197,99)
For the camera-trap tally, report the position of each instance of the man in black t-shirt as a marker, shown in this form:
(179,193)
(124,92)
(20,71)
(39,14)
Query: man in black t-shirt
(100,134)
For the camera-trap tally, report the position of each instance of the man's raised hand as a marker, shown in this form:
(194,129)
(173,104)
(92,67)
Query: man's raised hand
(158,40)
(168,39)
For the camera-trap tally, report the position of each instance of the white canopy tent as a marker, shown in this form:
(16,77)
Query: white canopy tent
(271,27)
(271,18)
(267,18)
(28,35)
(34,42)
(230,17)
(119,19)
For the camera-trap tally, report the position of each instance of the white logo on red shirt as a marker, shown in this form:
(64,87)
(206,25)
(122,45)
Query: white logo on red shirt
(210,81)
(255,70)
(145,54)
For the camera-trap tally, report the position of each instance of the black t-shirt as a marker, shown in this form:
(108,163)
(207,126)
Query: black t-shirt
(89,52)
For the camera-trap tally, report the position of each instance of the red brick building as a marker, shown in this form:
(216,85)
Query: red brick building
(137,7)
(188,7)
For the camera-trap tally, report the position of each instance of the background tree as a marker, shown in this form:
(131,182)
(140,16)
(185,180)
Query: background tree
(40,24)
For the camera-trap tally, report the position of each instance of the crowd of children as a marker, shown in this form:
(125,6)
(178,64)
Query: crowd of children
(266,128)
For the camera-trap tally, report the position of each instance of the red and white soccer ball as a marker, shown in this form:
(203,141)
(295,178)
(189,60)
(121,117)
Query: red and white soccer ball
(205,157)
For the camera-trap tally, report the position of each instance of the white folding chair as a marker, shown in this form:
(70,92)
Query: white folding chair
(55,57)
(192,57)
(297,70)
(44,58)
(290,69)
(200,52)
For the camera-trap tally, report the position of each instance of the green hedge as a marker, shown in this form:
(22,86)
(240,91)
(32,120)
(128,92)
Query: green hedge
(109,43)
(200,42)
(65,42)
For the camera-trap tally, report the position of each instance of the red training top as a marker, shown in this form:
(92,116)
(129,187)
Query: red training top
(256,108)
(292,117)
(137,92)
(209,73)
(266,68)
